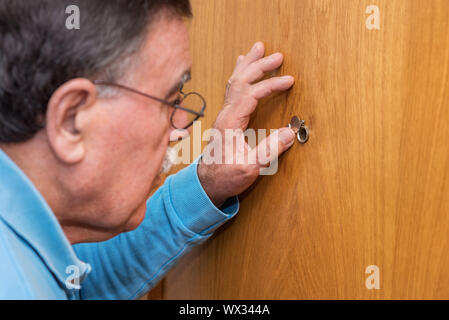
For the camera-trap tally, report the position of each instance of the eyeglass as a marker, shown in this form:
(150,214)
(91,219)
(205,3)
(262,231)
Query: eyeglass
(193,103)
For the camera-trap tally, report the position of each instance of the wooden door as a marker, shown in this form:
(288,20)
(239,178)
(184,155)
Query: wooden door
(371,186)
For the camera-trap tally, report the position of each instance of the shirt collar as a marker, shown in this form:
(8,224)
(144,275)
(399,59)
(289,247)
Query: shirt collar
(24,209)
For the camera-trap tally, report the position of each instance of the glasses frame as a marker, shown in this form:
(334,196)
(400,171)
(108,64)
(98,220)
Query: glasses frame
(175,104)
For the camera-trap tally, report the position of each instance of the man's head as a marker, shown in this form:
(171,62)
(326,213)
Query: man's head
(92,152)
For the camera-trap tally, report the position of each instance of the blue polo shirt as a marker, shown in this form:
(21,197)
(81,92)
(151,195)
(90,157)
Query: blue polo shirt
(38,262)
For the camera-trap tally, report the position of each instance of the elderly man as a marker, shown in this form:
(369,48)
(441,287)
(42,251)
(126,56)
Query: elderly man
(86,116)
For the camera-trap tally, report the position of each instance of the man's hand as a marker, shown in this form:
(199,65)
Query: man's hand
(221,181)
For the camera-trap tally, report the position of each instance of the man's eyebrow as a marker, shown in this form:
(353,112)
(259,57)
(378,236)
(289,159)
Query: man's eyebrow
(186,76)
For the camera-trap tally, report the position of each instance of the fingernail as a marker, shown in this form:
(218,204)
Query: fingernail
(287,78)
(276,55)
(256,46)
(286,135)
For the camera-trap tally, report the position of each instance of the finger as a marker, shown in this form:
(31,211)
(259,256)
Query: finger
(265,88)
(257,69)
(256,52)
(239,60)
(272,146)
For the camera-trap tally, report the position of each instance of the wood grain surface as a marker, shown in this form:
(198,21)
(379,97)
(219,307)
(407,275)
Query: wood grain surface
(370,187)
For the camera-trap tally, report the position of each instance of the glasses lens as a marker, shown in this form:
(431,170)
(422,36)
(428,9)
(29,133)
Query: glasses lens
(182,118)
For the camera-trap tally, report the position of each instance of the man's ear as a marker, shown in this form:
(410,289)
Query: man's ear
(63,125)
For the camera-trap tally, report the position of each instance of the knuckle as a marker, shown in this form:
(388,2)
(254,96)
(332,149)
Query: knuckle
(236,80)
(228,85)
(262,91)
(233,81)
(270,87)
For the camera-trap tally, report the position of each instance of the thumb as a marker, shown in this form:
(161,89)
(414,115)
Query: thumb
(272,146)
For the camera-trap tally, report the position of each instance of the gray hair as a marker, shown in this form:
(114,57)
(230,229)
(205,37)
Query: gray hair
(39,54)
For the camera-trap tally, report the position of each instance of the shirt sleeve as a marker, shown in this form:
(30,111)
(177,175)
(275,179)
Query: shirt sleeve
(179,216)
